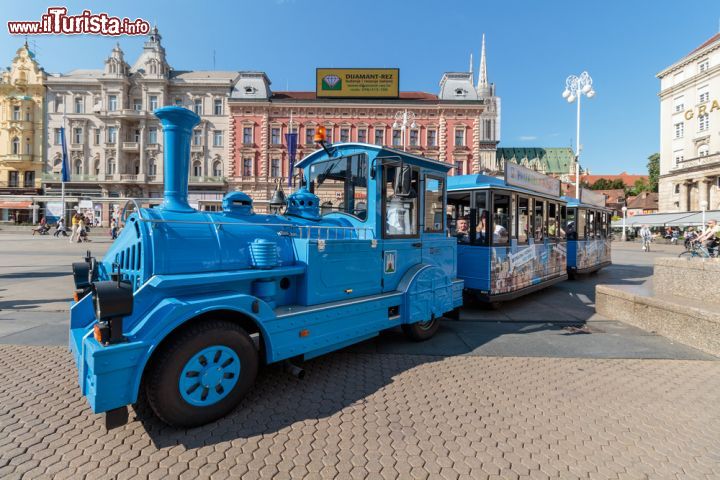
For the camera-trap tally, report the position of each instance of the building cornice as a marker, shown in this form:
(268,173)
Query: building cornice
(689,59)
(697,78)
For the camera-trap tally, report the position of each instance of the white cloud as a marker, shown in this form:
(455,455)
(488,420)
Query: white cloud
(527,138)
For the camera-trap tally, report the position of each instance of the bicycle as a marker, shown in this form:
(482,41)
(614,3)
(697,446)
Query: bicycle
(696,249)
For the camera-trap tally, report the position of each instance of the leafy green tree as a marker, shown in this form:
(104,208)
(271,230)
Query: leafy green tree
(653,167)
(600,184)
(641,185)
(616,184)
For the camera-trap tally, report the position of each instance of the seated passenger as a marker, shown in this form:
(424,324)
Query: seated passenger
(482,228)
(462,230)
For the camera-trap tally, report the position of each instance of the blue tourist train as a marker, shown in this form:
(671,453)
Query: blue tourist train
(588,233)
(186,305)
(510,232)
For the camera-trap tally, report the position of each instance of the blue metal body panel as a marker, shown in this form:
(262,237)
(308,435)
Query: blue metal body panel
(587,255)
(287,274)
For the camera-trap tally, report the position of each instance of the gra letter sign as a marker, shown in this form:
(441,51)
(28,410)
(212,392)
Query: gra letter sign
(357,82)
(522,177)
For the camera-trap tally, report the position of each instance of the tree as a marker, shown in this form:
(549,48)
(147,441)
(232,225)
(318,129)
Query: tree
(653,167)
(641,185)
(601,184)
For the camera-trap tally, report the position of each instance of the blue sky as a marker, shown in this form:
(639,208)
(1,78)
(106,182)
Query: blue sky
(532,47)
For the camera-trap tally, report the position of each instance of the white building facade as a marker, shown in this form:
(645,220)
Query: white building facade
(115,143)
(690,131)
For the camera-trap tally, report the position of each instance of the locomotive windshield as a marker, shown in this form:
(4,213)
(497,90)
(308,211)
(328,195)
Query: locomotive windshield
(341,185)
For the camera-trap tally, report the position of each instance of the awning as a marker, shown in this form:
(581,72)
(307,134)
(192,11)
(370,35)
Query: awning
(6,204)
(676,219)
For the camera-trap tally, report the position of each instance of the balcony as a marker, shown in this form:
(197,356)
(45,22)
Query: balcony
(697,162)
(17,157)
(214,180)
(56,177)
(197,148)
(128,177)
(130,147)
(153,147)
(76,146)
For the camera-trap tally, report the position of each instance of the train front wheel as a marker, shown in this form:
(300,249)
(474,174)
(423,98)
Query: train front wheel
(202,374)
(421,331)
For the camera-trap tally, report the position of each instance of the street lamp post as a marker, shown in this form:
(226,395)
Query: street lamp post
(624,235)
(403,120)
(575,88)
(703,207)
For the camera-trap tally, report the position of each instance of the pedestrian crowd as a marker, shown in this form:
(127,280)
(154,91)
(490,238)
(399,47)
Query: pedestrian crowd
(80,226)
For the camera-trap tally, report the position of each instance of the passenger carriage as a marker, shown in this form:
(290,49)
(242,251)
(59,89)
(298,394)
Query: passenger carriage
(588,233)
(514,242)
(185,305)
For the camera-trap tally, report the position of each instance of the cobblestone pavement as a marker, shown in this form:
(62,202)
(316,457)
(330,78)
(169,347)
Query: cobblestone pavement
(384,416)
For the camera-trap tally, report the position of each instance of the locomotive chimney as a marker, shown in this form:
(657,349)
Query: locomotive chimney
(177,123)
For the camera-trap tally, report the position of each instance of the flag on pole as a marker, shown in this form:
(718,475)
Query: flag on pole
(291,139)
(65,161)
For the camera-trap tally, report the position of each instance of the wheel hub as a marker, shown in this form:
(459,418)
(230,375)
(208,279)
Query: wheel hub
(209,375)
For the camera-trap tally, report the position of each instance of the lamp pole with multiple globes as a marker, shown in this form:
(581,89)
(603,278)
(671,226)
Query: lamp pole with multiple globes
(576,87)
(403,120)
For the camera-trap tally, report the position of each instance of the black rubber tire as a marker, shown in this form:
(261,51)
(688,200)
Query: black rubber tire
(686,254)
(421,331)
(161,383)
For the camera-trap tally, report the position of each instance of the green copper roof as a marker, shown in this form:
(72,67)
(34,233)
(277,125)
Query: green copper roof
(552,160)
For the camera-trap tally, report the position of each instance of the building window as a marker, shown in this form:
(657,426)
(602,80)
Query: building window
(703,150)
(96,136)
(362,135)
(309,135)
(247,135)
(247,167)
(197,169)
(152,136)
(28,115)
(58,136)
(16,146)
(13,179)
(197,137)
(679,130)
(152,167)
(704,65)
(275,136)
(460,137)
(414,136)
(77,136)
(111,166)
(217,138)
(217,168)
(59,103)
(28,147)
(275,167)
(703,122)
(16,113)
(97,167)
(218,106)
(153,103)
(679,105)
(78,167)
(432,138)
(677,188)
(178,102)
(197,106)
(396,138)
(79,105)
(112,103)
(112,134)
(379,136)
(137,104)
(344,135)
(29,179)
(459,167)
(704,97)
(678,157)
(329,134)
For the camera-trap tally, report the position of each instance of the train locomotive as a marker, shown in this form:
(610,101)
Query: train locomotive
(186,305)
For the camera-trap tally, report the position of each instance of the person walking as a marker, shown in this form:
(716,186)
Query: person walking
(75,236)
(60,228)
(113,229)
(646,238)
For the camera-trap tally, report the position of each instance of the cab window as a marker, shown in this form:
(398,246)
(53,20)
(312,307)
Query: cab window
(552,221)
(434,204)
(539,220)
(400,201)
(482,219)
(501,219)
(341,185)
(524,219)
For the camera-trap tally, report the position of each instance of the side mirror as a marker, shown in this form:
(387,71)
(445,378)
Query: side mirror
(403,181)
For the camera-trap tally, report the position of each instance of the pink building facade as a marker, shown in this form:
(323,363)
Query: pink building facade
(460,125)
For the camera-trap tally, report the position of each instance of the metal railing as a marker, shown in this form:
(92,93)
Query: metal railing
(319,232)
(697,161)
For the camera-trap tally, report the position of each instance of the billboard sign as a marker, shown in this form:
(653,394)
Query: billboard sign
(357,82)
(522,177)
(592,197)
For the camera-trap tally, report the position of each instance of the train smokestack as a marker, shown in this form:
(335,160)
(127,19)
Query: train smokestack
(177,123)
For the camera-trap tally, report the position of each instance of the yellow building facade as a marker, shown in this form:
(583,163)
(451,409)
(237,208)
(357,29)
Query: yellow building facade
(22,138)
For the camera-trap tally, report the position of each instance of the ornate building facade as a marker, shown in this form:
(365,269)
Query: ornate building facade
(690,131)
(115,144)
(22,94)
(459,125)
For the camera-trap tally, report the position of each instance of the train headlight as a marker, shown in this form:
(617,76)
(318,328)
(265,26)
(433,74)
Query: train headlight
(81,275)
(112,302)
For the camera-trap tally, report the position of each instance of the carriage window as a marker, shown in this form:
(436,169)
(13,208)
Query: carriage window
(341,185)
(552,225)
(562,234)
(434,198)
(590,224)
(459,216)
(481,218)
(523,215)
(539,220)
(501,219)
(581,213)
(572,227)
(400,208)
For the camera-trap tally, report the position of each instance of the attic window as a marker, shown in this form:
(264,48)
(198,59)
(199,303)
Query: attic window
(459,92)
(249,90)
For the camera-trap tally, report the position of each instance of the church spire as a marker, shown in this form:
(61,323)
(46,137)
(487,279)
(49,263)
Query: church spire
(471,69)
(482,76)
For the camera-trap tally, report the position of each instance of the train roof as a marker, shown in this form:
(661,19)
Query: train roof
(344,149)
(478,181)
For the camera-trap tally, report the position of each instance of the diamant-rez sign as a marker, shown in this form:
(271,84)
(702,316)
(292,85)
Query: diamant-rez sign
(357,82)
